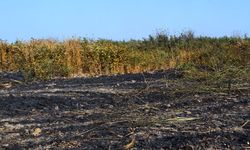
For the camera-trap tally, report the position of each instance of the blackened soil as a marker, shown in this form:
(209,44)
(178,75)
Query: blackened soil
(139,111)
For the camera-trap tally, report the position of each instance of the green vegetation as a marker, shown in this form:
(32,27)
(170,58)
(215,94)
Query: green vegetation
(197,56)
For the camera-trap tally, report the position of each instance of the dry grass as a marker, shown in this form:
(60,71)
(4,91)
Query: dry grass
(46,59)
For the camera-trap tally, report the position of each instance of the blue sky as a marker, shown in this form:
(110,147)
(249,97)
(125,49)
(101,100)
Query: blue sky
(121,19)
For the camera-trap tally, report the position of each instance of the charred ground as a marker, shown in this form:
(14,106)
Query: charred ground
(160,110)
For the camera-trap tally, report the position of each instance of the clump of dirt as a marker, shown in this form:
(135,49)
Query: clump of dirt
(159,110)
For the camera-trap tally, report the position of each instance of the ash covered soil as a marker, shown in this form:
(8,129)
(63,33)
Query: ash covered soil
(159,110)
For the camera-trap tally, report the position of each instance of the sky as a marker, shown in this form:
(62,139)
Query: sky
(121,19)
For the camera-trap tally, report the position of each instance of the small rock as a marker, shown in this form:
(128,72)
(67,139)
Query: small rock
(111,106)
(196,96)
(56,107)
(133,81)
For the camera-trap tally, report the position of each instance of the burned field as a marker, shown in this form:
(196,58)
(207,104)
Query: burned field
(160,110)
